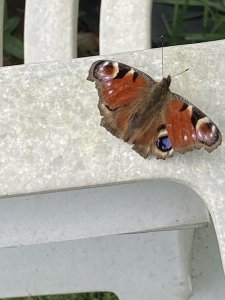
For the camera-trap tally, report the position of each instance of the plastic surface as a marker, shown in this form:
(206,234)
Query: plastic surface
(100,211)
(50,30)
(125,25)
(125,265)
(51,138)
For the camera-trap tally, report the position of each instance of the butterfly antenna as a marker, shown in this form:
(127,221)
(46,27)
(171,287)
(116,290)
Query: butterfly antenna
(162,54)
(180,73)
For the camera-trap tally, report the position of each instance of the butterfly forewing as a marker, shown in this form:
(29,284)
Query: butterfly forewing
(123,93)
(119,84)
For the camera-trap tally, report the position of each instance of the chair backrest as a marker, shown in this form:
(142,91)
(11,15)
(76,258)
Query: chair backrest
(51,28)
(50,31)
(125,25)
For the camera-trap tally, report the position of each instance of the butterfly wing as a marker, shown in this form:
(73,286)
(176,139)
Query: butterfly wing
(188,127)
(118,84)
(125,103)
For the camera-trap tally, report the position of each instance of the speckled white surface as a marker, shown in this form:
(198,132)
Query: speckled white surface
(50,136)
(116,31)
(50,30)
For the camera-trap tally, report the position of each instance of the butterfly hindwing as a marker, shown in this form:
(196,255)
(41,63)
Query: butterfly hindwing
(188,127)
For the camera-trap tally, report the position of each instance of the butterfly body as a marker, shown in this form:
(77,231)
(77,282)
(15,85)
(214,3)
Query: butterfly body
(147,114)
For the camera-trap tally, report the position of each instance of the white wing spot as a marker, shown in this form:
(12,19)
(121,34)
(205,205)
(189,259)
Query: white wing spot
(131,71)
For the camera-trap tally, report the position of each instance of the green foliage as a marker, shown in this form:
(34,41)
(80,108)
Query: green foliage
(86,296)
(11,44)
(213,15)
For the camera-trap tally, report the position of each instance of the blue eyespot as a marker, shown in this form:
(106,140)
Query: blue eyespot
(163,144)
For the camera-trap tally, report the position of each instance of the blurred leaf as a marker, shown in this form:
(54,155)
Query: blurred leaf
(180,2)
(11,24)
(5,10)
(178,19)
(175,13)
(205,15)
(217,5)
(13,45)
(213,18)
(218,23)
(201,37)
(85,296)
(169,31)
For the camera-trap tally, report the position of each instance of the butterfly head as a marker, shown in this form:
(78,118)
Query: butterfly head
(166,81)
(161,88)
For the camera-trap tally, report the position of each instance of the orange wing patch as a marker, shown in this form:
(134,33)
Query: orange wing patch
(117,83)
(181,132)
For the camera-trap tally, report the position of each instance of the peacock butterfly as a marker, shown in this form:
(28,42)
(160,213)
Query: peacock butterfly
(147,114)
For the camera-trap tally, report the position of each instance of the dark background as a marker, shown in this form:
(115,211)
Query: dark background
(181,22)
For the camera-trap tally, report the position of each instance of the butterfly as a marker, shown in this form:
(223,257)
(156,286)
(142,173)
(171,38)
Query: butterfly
(147,114)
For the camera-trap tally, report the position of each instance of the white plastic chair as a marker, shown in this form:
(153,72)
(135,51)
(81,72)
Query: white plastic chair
(94,239)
